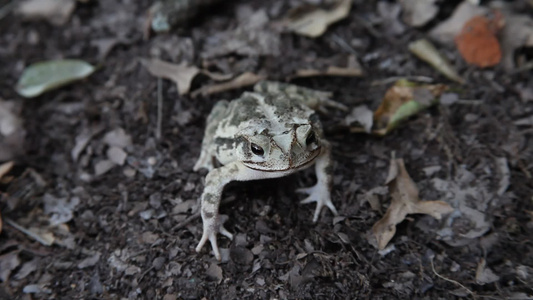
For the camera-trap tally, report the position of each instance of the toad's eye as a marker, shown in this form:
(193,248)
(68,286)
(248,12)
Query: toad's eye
(256,149)
(311,138)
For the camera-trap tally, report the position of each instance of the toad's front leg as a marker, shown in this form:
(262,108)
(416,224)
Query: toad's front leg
(321,191)
(215,181)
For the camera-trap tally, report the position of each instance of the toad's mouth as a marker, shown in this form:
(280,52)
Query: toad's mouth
(269,167)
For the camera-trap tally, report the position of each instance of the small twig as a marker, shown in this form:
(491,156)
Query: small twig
(144,273)
(343,44)
(159,108)
(450,280)
(29,233)
(186,221)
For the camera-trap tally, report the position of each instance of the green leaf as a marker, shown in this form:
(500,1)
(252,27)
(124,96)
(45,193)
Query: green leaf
(48,75)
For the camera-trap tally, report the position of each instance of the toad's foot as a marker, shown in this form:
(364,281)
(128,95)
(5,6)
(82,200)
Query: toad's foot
(212,226)
(320,195)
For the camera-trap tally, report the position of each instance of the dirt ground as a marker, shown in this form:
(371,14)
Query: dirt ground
(129,234)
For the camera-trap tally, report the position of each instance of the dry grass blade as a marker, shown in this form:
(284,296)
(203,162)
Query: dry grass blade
(245,79)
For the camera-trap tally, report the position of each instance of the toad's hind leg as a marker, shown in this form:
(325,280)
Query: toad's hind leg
(207,153)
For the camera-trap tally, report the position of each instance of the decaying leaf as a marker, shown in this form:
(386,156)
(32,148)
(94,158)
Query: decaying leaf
(402,101)
(517,32)
(245,79)
(477,41)
(181,74)
(313,21)
(417,13)
(56,12)
(349,66)
(47,75)
(446,31)
(405,200)
(425,50)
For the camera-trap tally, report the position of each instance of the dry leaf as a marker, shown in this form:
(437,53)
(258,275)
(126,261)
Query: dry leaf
(417,13)
(181,74)
(477,41)
(425,50)
(5,168)
(245,79)
(56,12)
(347,67)
(446,31)
(405,200)
(517,32)
(314,22)
(402,101)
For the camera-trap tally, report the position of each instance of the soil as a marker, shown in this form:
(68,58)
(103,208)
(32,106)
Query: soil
(132,229)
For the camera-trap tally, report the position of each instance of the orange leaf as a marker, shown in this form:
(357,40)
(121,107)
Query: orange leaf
(477,41)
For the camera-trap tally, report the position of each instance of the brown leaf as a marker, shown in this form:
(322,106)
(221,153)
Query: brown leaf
(477,41)
(181,74)
(313,22)
(405,200)
(245,79)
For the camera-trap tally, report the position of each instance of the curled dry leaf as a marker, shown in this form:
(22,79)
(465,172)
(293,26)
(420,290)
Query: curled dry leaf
(477,41)
(402,101)
(56,12)
(245,79)
(425,50)
(181,74)
(313,21)
(405,200)
(446,31)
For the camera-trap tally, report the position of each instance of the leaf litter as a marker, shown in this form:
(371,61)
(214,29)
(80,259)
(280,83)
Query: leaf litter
(312,21)
(404,201)
(403,100)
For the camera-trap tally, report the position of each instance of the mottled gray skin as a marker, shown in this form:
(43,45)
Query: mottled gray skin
(269,133)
